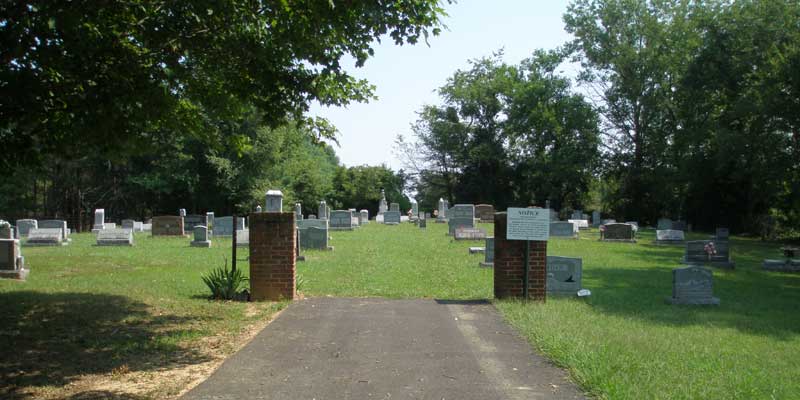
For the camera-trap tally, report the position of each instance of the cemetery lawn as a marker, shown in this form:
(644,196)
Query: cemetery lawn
(623,342)
(118,322)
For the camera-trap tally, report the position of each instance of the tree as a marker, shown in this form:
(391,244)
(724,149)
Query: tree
(78,79)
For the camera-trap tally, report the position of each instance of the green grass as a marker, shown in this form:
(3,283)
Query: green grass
(623,342)
(87,310)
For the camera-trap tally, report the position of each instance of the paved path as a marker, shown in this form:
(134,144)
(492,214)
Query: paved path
(335,348)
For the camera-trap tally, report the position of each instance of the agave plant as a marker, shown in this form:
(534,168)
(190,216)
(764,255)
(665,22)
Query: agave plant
(225,283)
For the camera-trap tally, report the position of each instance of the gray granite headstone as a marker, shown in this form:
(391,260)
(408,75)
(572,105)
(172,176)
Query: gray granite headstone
(201,238)
(210,220)
(679,225)
(274,201)
(391,217)
(414,208)
(695,253)
(692,285)
(167,225)
(243,238)
(223,226)
(563,229)
(722,234)
(55,224)
(314,238)
(564,275)
(323,210)
(129,224)
(341,220)
(488,253)
(45,237)
(669,236)
(363,217)
(442,211)
(316,223)
(115,237)
(484,212)
(618,232)
(577,214)
(190,221)
(99,220)
(24,226)
(596,218)
(460,216)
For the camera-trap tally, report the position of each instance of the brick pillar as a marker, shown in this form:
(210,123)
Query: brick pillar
(272,256)
(509,269)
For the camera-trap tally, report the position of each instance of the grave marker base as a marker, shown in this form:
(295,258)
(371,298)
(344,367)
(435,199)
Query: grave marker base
(206,243)
(18,274)
(43,244)
(712,263)
(619,240)
(477,250)
(669,242)
(486,265)
(712,301)
(782,265)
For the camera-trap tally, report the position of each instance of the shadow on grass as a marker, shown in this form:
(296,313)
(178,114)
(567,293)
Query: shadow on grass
(463,302)
(754,302)
(105,395)
(51,339)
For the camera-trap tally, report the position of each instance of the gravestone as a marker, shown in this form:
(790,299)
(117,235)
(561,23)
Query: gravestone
(55,224)
(722,234)
(315,223)
(382,205)
(394,207)
(323,210)
(577,214)
(354,217)
(488,253)
(258,208)
(485,212)
(168,225)
(110,225)
(298,212)
(414,209)
(6,232)
(785,265)
(201,238)
(129,224)
(115,237)
(695,253)
(679,225)
(423,223)
(460,216)
(553,216)
(670,237)
(273,201)
(210,220)
(12,264)
(618,233)
(138,226)
(477,250)
(314,238)
(596,218)
(391,217)
(243,238)
(363,217)
(579,223)
(24,226)
(223,226)
(190,221)
(469,234)
(99,220)
(181,212)
(442,217)
(147,227)
(45,237)
(692,285)
(564,275)
(664,224)
(341,220)
(563,230)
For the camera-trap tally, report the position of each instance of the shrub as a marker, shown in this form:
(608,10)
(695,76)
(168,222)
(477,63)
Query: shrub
(225,283)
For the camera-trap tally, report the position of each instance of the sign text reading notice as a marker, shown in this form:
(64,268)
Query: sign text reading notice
(528,224)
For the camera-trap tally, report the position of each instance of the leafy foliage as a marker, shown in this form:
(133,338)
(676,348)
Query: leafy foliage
(224,283)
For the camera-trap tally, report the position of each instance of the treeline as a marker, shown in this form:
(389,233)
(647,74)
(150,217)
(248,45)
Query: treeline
(689,110)
(186,172)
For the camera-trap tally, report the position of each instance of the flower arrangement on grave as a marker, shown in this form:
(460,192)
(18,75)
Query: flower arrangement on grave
(710,250)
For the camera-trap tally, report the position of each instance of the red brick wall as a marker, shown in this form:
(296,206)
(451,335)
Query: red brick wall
(272,256)
(509,269)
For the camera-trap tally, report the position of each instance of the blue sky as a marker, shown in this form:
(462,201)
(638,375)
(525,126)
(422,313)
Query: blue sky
(407,76)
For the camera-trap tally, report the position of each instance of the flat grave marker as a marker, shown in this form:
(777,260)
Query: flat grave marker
(115,237)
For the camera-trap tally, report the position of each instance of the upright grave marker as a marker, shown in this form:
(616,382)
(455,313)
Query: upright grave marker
(24,226)
(99,219)
(56,224)
(394,207)
(670,237)
(341,220)
(391,217)
(12,264)
(168,225)
(322,212)
(716,254)
(45,237)
(563,230)
(596,218)
(223,226)
(664,224)
(693,285)
(190,221)
(6,232)
(617,233)
(274,201)
(484,212)
(115,237)
(382,205)
(201,238)
(520,256)
(564,275)
(363,217)
(460,216)
(442,217)
(488,253)
(298,212)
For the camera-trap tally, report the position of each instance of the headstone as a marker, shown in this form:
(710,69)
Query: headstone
(243,238)
(341,220)
(323,210)
(6,232)
(314,238)
(24,226)
(391,217)
(579,223)
(274,201)
(201,238)
(210,220)
(315,223)
(485,212)
(394,207)
(115,237)
(354,217)
(382,205)
(488,253)
(12,264)
(564,275)
(423,223)
(563,230)
(460,216)
(138,226)
(618,233)
(669,236)
(722,234)
(477,250)
(692,285)
(190,221)
(596,216)
(182,212)
(698,252)
(664,224)
(414,209)
(45,237)
(786,265)
(168,225)
(363,217)
(99,220)
(147,227)
(258,208)
(223,226)
(56,224)
(469,234)
(298,212)
(427,215)
(442,217)
(679,225)
(577,214)
(129,224)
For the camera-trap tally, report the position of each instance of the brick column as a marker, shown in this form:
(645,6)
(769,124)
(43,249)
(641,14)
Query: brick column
(509,268)
(272,256)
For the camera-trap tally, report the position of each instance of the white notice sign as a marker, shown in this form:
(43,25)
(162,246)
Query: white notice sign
(528,224)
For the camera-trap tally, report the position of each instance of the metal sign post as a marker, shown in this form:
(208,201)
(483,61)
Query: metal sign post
(233,255)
